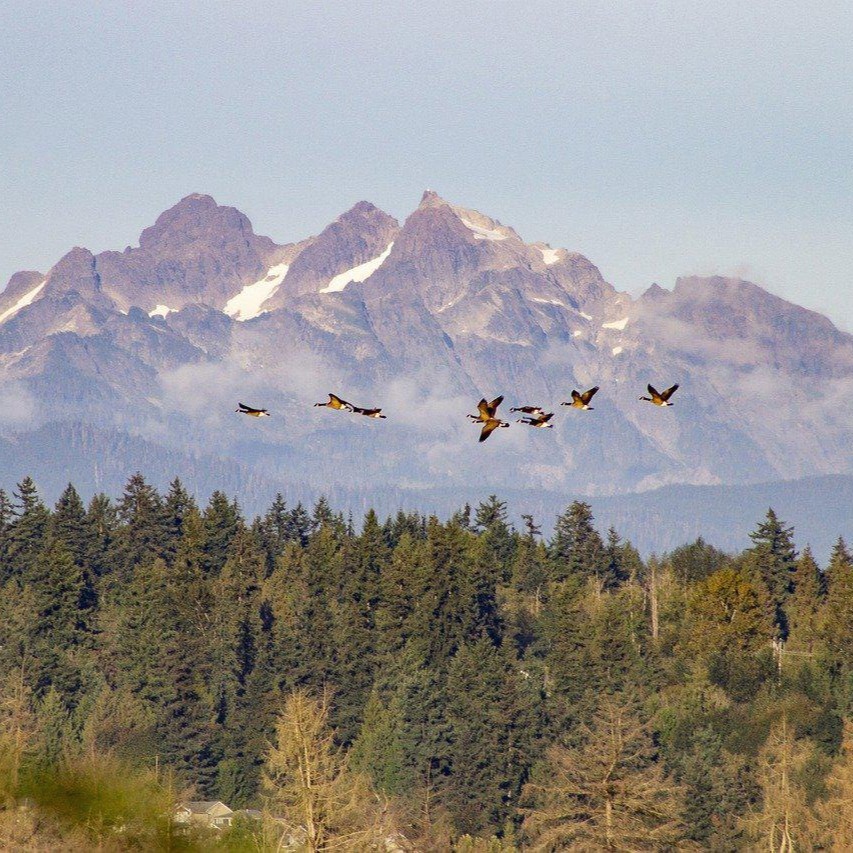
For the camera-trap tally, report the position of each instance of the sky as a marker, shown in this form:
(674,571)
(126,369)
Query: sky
(658,139)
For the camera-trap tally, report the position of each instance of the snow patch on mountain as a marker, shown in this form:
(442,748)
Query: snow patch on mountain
(360,273)
(23,302)
(550,301)
(616,324)
(161,311)
(481,233)
(549,256)
(616,350)
(247,303)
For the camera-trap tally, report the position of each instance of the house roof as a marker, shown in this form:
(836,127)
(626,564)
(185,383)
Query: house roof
(203,806)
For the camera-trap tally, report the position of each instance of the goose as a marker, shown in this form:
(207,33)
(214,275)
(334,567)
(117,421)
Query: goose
(335,402)
(581,401)
(486,410)
(541,421)
(243,409)
(529,410)
(660,398)
(369,413)
(490,425)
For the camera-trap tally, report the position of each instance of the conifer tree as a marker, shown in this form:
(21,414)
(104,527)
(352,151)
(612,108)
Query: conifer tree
(805,605)
(27,536)
(490,521)
(320,570)
(576,548)
(835,813)
(493,729)
(222,521)
(275,530)
(355,629)
(837,617)
(70,525)
(397,592)
(312,789)
(617,565)
(322,514)
(415,700)
(566,626)
(781,822)
(299,525)
(608,793)
(840,564)
(7,515)
(774,559)
(57,625)
(446,609)
(177,505)
(142,535)
(102,521)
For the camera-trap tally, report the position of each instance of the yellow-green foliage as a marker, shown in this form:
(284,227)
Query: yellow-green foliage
(109,802)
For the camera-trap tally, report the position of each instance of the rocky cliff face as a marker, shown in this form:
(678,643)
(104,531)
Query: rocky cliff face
(163,339)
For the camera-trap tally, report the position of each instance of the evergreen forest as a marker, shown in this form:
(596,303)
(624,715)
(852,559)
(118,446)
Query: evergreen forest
(414,683)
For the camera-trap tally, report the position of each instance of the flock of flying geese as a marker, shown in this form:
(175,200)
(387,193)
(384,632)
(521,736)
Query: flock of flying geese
(533,416)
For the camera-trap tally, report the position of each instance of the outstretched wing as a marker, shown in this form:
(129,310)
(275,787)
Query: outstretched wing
(665,395)
(588,395)
(543,419)
(488,428)
(244,407)
(576,396)
(339,403)
(652,391)
(493,406)
(483,408)
(370,412)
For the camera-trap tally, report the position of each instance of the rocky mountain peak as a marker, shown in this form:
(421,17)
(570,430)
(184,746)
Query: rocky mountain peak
(20,283)
(194,218)
(431,198)
(347,247)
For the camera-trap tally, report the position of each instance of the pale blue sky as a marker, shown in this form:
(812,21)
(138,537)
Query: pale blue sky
(658,138)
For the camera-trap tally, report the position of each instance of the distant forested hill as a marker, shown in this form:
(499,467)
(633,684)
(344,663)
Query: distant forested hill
(101,459)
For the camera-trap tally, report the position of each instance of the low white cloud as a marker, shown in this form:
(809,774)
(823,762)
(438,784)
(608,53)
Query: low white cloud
(17,405)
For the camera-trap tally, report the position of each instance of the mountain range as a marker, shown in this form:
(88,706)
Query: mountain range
(143,354)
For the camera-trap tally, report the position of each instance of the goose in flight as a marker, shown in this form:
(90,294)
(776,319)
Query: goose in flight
(581,401)
(368,413)
(660,398)
(335,402)
(486,410)
(490,425)
(243,409)
(529,410)
(541,421)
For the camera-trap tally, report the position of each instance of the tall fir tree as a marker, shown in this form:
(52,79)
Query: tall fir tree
(774,559)
(7,515)
(29,531)
(142,534)
(576,548)
(70,525)
(179,502)
(222,521)
(493,720)
(804,605)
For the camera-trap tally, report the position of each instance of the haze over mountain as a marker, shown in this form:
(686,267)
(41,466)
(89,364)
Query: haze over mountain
(146,351)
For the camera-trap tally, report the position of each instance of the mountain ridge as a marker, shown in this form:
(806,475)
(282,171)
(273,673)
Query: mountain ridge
(423,317)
